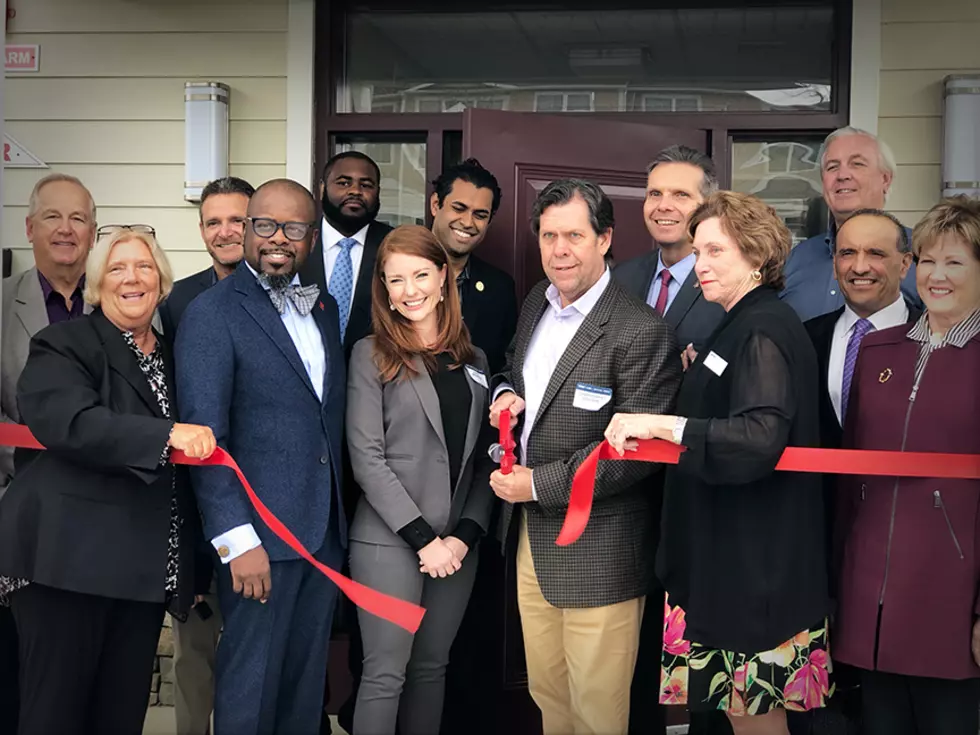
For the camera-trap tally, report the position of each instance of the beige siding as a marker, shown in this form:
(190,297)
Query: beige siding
(107,105)
(920,44)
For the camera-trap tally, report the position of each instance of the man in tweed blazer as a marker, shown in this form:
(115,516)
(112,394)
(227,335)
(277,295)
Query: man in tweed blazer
(584,350)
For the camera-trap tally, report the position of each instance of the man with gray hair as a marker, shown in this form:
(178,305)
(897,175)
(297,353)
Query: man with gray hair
(678,179)
(61,228)
(857,169)
(584,351)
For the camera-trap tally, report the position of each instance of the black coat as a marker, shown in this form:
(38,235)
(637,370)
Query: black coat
(92,513)
(490,310)
(359,323)
(184,292)
(743,549)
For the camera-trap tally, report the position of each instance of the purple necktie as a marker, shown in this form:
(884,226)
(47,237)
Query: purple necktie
(861,328)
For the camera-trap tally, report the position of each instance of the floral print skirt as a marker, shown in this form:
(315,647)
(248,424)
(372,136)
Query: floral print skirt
(795,676)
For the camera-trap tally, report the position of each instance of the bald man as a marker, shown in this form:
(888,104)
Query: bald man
(259,360)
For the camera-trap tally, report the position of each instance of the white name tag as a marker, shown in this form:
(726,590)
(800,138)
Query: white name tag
(715,364)
(477,376)
(591,397)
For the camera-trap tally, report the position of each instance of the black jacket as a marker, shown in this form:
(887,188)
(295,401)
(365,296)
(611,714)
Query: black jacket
(92,513)
(692,317)
(184,292)
(490,310)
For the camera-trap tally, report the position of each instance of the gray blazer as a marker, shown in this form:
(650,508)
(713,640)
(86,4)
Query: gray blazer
(399,456)
(24,315)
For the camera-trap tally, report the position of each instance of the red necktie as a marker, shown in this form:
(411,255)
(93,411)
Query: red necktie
(661,305)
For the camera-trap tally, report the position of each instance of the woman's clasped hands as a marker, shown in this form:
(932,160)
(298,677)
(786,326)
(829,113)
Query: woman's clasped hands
(442,557)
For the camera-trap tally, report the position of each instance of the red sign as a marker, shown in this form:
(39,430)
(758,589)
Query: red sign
(22,57)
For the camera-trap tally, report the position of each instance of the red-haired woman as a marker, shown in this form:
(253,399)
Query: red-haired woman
(418,439)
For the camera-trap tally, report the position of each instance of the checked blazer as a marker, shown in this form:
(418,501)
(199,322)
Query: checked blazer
(626,346)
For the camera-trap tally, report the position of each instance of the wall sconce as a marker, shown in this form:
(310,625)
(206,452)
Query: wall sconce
(205,136)
(961,135)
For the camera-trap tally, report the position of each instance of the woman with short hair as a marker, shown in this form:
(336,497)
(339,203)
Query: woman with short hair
(92,546)
(742,551)
(909,597)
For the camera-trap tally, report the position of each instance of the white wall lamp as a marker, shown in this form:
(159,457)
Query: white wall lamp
(205,136)
(961,135)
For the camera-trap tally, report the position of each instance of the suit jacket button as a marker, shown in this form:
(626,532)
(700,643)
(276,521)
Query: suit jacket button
(324,460)
(223,551)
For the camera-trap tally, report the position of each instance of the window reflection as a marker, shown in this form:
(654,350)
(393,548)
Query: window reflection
(786,175)
(403,180)
(683,60)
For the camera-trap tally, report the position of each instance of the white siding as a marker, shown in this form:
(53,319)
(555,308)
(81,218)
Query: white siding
(107,105)
(920,44)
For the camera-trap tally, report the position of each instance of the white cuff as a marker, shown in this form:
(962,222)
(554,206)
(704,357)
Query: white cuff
(534,493)
(232,544)
(502,388)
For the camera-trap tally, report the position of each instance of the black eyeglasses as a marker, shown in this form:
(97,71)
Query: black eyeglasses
(113,229)
(265,227)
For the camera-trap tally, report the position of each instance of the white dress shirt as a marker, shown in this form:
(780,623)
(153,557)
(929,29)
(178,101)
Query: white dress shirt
(551,337)
(330,239)
(309,344)
(891,316)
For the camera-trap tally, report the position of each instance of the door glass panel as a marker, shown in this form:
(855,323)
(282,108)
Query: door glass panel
(786,175)
(777,57)
(403,182)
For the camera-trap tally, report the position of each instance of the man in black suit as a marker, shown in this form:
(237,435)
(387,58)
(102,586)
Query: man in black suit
(222,224)
(342,263)
(465,199)
(223,208)
(872,256)
(678,180)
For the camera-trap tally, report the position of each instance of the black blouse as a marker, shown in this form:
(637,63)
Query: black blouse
(742,548)
(454,406)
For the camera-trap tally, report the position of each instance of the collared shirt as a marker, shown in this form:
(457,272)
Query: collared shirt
(330,239)
(891,316)
(551,337)
(811,284)
(309,344)
(958,336)
(679,272)
(58,311)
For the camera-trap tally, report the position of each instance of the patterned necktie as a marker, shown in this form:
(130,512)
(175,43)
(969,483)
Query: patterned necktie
(861,328)
(302,297)
(341,285)
(661,305)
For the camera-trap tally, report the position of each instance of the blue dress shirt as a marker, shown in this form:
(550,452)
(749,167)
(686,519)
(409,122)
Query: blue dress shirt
(679,272)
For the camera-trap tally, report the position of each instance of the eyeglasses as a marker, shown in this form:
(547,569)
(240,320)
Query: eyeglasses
(265,227)
(113,229)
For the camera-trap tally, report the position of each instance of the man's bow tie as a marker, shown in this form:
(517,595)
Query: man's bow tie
(303,297)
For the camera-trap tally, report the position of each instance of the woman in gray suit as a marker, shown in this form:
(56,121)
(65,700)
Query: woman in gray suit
(418,438)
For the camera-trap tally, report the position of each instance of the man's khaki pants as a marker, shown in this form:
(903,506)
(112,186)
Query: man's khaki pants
(194,648)
(579,660)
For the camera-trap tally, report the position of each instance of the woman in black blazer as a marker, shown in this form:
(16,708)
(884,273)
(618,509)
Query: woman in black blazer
(92,540)
(742,551)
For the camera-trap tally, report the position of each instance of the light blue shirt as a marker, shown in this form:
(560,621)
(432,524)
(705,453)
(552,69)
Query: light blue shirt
(679,272)
(309,344)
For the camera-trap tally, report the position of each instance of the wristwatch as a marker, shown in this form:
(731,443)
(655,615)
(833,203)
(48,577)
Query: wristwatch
(678,433)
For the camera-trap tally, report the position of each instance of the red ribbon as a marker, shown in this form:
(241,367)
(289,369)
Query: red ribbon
(794,459)
(399,612)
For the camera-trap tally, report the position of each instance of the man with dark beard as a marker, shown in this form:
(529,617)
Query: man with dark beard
(259,360)
(343,260)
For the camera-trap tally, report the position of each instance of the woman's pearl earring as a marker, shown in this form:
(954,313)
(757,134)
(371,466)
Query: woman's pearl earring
(391,306)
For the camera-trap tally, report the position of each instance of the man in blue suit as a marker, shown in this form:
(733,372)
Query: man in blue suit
(260,362)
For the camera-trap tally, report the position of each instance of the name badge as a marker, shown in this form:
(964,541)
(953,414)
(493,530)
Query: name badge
(591,397)
(715,364)
(477,376)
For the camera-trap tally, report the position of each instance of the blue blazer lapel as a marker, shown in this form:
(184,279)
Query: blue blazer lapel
(326,318)
(260,308)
